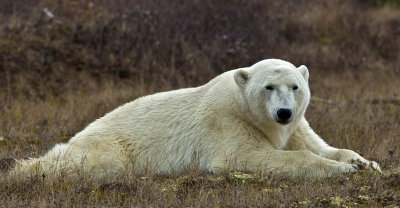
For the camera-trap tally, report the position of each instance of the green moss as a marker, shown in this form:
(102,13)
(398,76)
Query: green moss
(3,141)
(64,138)
(240,175)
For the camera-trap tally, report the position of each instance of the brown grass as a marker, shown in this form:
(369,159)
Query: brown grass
(58,75)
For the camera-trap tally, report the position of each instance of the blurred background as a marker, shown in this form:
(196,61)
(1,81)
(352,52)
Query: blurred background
(64,63)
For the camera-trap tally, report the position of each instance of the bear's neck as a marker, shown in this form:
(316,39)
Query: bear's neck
(277,134)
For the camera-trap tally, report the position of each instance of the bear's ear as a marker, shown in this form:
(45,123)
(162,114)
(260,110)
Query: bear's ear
(304,71)
(241,77)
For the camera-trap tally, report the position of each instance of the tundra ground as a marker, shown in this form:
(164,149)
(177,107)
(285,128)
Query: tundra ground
(58,74)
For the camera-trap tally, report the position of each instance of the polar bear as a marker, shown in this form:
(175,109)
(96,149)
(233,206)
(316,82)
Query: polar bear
(249,119)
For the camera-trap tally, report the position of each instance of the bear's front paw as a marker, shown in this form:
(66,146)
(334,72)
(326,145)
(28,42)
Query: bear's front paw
(362,164)
(349,156)
(350,167)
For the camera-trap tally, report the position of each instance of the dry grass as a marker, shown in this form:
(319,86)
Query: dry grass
(57,75)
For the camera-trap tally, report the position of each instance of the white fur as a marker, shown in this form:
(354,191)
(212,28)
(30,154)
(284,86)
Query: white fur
(228,123)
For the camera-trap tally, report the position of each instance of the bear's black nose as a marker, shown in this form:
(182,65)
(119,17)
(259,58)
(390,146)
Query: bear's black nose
(284,114)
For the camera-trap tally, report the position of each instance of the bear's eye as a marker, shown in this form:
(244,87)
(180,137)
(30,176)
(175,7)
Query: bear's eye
(269,87)
(295,87)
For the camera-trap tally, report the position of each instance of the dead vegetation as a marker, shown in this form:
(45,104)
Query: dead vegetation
(59,74)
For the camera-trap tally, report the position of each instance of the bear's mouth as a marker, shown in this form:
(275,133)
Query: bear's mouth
(283,122)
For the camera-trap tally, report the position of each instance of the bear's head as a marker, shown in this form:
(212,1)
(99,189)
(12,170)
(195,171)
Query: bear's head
(275,91)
